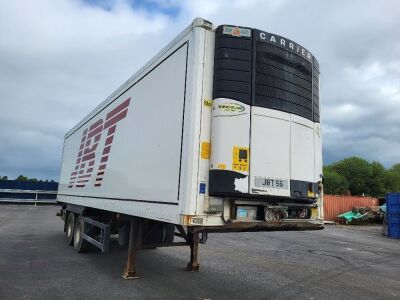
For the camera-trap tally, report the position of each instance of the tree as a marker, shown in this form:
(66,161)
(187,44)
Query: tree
(22,178)
(361,177)
(377,182)
(393,179)
(357,172)
(334,183)
(4,178)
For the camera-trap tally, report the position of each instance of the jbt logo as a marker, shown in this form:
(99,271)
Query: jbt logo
(86,158)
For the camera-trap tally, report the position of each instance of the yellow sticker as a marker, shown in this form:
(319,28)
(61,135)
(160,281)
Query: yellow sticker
(310,194)
(205,150)
(240,159)
(207,103)
(221,166)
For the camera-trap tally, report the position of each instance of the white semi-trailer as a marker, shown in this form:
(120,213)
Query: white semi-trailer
(218,132)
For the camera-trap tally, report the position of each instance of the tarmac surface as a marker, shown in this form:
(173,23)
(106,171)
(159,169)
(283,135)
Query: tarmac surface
(335,263)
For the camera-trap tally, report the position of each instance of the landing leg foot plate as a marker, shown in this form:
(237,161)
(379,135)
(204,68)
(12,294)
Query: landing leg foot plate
(129,275)
(192,268)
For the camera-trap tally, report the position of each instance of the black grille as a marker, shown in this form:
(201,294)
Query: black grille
(232,67)
(265,72)
(283,81)
(315,90)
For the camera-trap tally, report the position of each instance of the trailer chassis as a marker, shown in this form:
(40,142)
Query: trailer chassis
(192,236)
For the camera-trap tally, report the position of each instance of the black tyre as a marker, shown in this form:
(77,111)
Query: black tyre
(123,234)
(69,229)
(80,245)
(159,233)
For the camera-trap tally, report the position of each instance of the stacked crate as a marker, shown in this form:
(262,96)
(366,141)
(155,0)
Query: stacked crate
(393,214)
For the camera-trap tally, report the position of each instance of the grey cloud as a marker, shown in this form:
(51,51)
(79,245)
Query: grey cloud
(60,59)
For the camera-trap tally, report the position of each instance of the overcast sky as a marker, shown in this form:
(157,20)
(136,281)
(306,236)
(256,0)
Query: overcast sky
(60,59)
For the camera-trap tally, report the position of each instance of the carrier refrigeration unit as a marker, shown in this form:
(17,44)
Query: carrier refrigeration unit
(219,132)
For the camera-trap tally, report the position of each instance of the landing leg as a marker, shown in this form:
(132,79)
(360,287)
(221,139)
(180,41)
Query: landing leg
(193,265)
(135,241)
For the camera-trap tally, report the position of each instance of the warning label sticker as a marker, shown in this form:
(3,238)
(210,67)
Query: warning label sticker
(205,150)
(236,31)
(240,159)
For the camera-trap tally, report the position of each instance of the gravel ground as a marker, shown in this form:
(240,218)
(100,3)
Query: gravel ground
(335,263)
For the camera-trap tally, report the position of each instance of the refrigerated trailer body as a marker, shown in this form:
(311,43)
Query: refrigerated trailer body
(218,132)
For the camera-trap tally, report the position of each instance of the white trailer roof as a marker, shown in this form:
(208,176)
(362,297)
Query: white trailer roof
(198,22)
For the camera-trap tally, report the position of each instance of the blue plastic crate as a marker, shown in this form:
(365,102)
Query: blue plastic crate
(393,206)
(394,234)
(392,198)
(394,223)
(393,214)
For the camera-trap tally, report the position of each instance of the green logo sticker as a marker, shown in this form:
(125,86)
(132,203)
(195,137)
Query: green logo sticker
(231,107)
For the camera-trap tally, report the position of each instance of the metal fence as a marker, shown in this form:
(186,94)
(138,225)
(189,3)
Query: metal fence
(27,196)
(28,191)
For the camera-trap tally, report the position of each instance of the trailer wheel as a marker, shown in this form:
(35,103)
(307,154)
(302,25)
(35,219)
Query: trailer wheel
(69,230)
(80,245)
